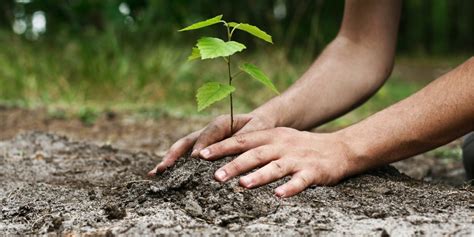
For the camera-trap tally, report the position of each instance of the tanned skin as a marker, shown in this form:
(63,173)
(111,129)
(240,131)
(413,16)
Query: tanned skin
(351,69)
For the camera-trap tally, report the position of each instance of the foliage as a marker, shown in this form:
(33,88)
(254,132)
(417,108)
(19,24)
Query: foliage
(258,75)
(426,27)
(253,30)
(212,92)
(210,47)
(202,24)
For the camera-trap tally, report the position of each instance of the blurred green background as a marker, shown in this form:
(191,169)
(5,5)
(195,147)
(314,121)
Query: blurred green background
(94,55)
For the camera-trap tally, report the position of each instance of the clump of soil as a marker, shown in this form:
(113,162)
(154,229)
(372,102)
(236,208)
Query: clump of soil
(190,182)
(51,184)
(114,212)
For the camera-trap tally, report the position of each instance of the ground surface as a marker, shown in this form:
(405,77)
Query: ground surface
(50,183)
(138,133)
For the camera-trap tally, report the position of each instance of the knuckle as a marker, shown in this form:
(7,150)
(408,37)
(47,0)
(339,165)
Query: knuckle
(257,154)
(303,181)
(234,167)
(239,139)
(215,148)
(214,127)
(278,166)
(293,164)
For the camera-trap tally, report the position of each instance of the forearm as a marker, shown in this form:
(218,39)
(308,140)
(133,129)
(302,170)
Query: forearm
(344,76)
(434,116)
(348,71)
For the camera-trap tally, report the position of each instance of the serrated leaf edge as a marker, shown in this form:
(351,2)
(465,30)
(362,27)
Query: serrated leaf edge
(197,99)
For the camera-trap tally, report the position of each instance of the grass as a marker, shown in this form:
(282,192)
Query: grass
(107,74)
(90,75)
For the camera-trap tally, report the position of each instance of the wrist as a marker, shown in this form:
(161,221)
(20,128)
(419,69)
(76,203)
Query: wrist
(357,157)
(275,112)
(269,113)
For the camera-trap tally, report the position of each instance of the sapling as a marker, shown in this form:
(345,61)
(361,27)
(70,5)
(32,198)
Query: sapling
(211,47)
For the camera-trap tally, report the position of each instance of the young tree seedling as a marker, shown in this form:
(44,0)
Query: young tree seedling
(211,47)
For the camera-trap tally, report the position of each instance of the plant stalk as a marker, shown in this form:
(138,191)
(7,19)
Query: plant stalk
(230,97)
(229,36)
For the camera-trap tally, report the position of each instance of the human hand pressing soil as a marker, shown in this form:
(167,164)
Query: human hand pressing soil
(216,131)
(350,69)
(309,158)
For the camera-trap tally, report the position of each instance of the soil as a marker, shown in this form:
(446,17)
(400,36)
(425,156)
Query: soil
(77,178)
(155,135)
(51,184)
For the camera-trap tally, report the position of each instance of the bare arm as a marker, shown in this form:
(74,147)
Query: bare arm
(437,114)
(352,67)
(434,116)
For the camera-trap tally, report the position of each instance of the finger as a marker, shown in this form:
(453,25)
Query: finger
(218,130)
(299,182)
(236,144)
(247,161)
(178,149)
(269,173)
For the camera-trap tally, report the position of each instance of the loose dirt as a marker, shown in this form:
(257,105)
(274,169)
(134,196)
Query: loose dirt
(155,135)
(50,184)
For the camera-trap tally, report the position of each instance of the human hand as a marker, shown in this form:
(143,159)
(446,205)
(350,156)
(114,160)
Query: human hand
(216,131)
(310,158)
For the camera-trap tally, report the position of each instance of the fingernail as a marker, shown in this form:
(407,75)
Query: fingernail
(205,153)
(246,182)
(220,175)
(194,153)
(280,192)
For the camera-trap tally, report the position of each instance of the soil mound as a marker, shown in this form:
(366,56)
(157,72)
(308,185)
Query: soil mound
(51,184)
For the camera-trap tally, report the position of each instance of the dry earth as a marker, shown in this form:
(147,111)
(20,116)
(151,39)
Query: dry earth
(92,182)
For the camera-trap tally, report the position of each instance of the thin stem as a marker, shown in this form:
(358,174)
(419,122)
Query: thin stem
(235,27)
(230,96)
(229,36)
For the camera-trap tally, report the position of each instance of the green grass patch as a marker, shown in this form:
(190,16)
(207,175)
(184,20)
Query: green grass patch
(99,73)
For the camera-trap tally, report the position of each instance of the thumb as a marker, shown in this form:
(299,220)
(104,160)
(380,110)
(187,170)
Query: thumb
(255,124)
(218,130)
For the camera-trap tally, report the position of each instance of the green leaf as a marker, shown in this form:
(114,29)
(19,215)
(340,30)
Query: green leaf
(257,74)
(194,54)
(203,24)
(212,92)
(210,47)
(255,31)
